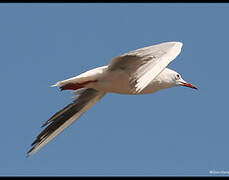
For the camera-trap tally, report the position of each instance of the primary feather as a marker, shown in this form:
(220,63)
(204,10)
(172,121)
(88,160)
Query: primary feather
(65,117)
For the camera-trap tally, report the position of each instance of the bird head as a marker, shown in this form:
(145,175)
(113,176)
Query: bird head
(177,79)
(171,78)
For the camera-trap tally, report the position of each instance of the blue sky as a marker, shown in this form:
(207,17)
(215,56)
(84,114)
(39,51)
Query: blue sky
(174,132)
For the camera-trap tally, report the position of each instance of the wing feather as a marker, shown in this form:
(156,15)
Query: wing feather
(65,117)
(144,64)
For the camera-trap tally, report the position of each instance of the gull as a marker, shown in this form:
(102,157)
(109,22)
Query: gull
(142,71)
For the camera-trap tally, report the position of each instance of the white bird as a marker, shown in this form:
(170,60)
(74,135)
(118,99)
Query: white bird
(141,71)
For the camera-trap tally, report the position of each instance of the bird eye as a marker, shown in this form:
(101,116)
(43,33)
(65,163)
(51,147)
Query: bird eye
(178,76)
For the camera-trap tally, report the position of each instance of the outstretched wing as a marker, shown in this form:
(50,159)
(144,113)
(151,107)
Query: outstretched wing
(65,117)
(144,64)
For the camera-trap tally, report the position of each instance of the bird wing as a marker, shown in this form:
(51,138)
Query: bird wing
(65,117)
(144,64)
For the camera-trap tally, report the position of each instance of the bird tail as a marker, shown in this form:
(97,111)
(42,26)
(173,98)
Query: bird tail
(82,80)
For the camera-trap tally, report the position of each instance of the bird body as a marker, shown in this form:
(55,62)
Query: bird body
(142,71)
(104,80)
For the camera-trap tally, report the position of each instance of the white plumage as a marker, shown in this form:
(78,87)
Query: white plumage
(141,71)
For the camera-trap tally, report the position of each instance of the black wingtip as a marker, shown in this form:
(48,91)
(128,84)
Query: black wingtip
(34,142)
(43,125)
(28,154)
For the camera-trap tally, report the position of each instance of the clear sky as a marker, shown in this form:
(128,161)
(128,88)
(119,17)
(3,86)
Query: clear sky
(177,131)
